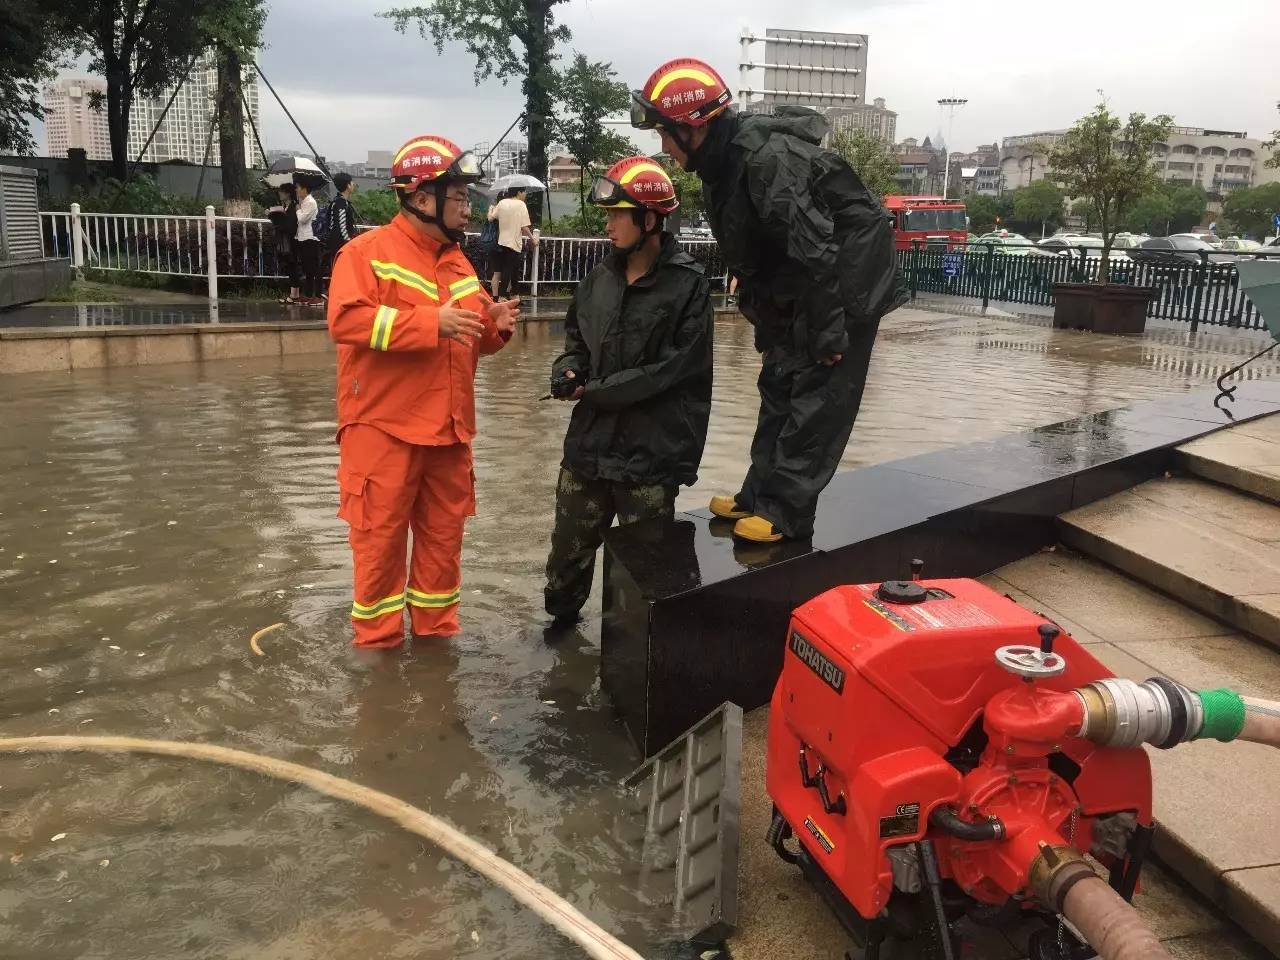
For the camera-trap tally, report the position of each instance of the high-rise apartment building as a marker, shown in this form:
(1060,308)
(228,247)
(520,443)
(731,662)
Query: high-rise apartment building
(184,132)
(71,119)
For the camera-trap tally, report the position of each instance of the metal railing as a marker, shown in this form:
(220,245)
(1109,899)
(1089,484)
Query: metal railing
(213,247)
(245,248)
(1197,292)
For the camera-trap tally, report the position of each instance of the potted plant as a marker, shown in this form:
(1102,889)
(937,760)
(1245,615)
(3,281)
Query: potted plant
(1107,163)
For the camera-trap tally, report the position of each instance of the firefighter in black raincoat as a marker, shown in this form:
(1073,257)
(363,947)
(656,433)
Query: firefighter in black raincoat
(815,256)
(638,362)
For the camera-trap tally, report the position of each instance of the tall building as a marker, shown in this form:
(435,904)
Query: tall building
(921,168)
(803,67)
(977,172)
(70,119)
(184,132)
(1218,161)
(509,156)
(873,118)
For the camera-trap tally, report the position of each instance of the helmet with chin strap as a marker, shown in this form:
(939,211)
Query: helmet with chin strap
(432,162)
(637,184)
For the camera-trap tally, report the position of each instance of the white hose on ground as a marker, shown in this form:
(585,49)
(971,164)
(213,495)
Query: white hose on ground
(595,941)
(1261,721)
(1109,924)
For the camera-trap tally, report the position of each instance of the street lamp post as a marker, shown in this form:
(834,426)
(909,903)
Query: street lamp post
(951,105)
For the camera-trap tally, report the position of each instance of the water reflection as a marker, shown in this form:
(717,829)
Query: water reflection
(153,518)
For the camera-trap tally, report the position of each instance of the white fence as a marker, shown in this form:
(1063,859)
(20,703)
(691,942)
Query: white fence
(245,249)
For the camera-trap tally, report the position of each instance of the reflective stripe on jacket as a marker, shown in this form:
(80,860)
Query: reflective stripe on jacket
(394,371)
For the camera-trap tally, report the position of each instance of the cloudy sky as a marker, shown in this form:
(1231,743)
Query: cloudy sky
(355,84)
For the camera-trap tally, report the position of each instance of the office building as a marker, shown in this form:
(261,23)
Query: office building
(71,118)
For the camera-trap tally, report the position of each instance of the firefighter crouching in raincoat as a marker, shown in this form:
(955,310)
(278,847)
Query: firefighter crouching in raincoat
(411,319)
(638,345)
(815,256)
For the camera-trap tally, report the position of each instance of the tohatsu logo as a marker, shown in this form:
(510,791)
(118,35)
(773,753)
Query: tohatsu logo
(814,659)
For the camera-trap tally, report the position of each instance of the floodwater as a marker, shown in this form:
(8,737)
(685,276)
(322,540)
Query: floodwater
(152,519)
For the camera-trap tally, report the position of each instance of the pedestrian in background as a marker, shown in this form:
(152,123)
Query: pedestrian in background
(342,219)
(513,227)
(308,258)
(284,218)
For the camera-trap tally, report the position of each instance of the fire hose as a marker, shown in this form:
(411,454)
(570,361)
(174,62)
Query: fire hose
(595,941)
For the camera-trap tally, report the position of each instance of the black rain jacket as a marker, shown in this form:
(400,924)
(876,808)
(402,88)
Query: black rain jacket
(812,248)
(645,352)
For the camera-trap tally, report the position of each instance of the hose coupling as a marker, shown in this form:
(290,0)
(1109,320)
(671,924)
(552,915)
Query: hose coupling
(1054,871)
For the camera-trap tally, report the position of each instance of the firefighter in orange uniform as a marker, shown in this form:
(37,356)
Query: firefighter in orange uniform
(411,319)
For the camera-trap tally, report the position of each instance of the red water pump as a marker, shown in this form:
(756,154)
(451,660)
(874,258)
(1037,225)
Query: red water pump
(926,754)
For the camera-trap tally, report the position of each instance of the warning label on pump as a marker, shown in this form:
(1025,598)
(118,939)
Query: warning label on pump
(936,614)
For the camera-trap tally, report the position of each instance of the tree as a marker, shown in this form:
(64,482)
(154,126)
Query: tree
(1274,145)
(139,46)
(1107,161)
(1187,206)
(1167,209)
(871,158)
(487,29)
(29,44)
(1083,210)
(235,27)
(1250,211)
(982,212)
(1151,213)
(688,187)
(1039,203)
(588,94)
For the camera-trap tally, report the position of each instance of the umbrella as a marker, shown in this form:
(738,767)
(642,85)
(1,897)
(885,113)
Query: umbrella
(1260,281)
(516,181)
(295,170)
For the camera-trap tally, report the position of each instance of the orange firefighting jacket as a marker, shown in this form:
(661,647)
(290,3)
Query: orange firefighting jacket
(394,371)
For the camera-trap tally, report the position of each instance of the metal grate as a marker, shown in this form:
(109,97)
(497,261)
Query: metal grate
(691,797)
(19,214)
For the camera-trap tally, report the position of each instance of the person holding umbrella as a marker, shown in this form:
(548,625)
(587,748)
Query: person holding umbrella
(308,258)
(514,225)
(285,175)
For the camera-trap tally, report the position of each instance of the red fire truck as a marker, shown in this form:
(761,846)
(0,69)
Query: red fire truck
(937,223)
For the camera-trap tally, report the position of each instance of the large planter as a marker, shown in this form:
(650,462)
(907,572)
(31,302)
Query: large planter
(1101,308)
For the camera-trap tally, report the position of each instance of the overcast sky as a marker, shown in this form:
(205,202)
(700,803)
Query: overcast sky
(354,84)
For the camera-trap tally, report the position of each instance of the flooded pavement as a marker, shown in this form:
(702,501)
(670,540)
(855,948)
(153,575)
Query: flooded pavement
(153,518)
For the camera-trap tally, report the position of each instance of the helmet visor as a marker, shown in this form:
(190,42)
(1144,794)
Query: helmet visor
(466,167)
(644,115)
(607,193)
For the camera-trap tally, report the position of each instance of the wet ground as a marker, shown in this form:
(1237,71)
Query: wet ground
(153,518)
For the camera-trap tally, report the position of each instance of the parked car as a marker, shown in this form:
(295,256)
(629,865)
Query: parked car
(1179,249)
(1240,245)
(1063,244)
(1012,244)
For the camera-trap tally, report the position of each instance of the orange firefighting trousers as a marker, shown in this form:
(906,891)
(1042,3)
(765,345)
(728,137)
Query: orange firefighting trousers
(387,487)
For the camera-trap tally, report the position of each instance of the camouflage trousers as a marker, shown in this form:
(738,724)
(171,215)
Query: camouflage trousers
(585,509)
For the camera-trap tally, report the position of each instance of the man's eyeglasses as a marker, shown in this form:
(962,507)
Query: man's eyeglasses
(465,199)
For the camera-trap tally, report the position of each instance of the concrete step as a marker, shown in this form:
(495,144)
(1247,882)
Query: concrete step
(1216,804)
(1214,549)
(1246,457)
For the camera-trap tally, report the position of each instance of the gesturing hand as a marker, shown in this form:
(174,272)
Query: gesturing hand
(577,394)
(504,315)
(458,324)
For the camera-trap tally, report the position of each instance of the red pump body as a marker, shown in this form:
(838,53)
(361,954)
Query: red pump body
(896,709)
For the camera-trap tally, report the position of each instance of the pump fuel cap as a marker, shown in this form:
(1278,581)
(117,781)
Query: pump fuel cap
(901,591)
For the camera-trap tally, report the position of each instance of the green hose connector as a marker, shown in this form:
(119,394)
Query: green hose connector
(1223,714)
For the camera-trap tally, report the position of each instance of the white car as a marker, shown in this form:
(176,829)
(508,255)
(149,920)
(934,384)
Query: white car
(1012,244)
(1066,243)
(1240,245)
